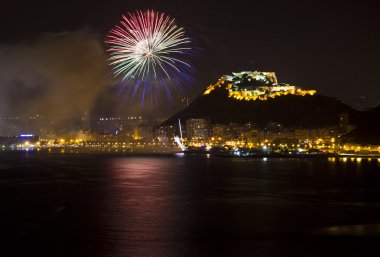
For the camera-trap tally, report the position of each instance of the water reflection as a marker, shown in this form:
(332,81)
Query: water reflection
(190,206)
(140,210)
(356,160)
(158,207)
(180,154)
(352,230)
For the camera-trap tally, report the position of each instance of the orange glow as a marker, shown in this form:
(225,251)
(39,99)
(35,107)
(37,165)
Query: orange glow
(261,93)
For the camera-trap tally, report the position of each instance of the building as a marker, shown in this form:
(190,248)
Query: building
(255,85)
(22,139)
(166,134)
(116,125)
(302,134)
(250,137)
(197,129)
(85,121)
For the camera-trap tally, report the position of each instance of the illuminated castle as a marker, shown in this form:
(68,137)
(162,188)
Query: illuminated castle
(256,85)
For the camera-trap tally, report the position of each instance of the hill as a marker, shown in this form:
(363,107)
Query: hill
(368,130)
(309,111)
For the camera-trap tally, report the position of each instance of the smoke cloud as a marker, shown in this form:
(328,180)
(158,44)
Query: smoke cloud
(57,75)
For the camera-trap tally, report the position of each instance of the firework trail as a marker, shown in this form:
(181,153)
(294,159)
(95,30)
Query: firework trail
(148,53)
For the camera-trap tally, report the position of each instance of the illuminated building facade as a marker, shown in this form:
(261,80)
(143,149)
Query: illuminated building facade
(256,85)
(166,134)
(250,137)
(197,129)
(23,139)
(302,134)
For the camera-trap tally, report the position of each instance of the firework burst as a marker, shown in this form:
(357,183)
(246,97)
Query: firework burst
(148,53)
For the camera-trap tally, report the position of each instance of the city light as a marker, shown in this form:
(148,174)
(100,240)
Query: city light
(26,135)
(255,86)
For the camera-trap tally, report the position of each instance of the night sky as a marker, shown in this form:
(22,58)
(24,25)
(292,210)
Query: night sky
(330,46)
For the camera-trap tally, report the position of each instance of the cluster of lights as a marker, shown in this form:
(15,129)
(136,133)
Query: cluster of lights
(26,135)
(264,93)
(268,87)
(236,147)
(117,118)
(307,146)
(352,159)
(109,118)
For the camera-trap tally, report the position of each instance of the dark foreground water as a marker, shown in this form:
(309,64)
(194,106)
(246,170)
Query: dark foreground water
(162,206)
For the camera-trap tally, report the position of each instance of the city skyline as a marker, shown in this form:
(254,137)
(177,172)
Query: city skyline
(246,110)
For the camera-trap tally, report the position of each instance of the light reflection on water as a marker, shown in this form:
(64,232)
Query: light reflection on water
(189,206)
(359,230)
(159,219)
(140,206)
(357,160)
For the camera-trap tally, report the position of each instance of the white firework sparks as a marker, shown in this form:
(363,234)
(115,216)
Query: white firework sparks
(148,45)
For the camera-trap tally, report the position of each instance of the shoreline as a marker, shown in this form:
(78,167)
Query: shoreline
(178,153)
